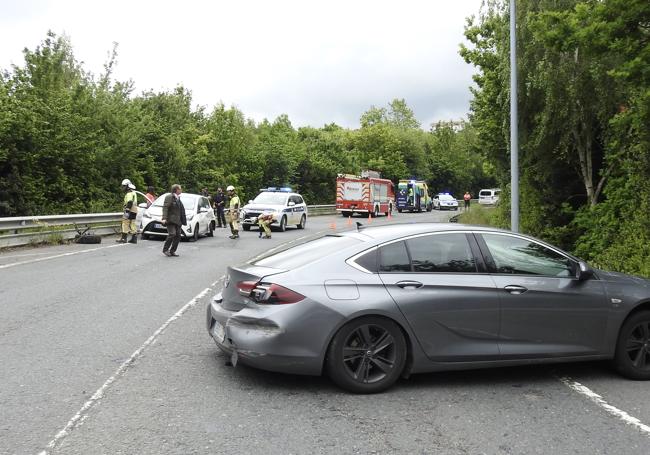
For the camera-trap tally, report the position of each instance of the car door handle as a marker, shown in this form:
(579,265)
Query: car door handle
(409,284)
(515,290)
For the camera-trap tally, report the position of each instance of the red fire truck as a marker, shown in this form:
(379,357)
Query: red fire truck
(366,193)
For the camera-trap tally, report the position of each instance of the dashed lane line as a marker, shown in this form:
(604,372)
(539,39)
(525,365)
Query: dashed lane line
(612,410)
(81,415)
(71,253)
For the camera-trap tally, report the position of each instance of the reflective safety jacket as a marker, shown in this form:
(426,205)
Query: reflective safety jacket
(130,196)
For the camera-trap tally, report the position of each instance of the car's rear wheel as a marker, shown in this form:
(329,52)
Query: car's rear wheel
(303,222)
(367,355)
(632,358)
(211,229)
(283,224)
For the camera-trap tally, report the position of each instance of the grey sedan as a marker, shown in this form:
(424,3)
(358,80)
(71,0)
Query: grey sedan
(373,305)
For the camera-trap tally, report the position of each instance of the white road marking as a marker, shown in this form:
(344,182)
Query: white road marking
(594,397)
(76,420)
(71,253)
(23,255)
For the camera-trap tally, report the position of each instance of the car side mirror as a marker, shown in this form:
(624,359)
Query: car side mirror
(142,205)
(583,271)
(250,201)
(291,204)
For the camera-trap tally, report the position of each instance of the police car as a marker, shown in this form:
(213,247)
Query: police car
(444,201)
(288,208)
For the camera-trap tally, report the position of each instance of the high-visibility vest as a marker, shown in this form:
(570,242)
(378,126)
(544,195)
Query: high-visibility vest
(131,196)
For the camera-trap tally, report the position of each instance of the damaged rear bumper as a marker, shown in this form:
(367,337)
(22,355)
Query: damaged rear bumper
(259,342)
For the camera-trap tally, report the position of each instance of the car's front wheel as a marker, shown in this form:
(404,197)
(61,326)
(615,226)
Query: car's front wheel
(632,358)
(195,237)
(283,224)
(211,229)
(367,355)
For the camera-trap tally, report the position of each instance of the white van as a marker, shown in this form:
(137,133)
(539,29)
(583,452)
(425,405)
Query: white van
(489,196)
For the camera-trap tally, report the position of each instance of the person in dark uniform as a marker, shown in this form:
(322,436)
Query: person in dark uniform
(219,200)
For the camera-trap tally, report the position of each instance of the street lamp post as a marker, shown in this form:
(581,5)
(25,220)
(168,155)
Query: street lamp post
(514,131)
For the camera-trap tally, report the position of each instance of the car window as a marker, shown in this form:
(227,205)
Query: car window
(368,260)
(521,256)
(272,198)
(299,200)
(448,253)
(394,258)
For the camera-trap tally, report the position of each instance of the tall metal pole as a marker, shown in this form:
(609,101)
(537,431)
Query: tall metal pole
(514,131)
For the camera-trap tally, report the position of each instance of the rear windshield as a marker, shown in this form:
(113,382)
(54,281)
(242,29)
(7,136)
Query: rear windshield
(305,253)
(485,193)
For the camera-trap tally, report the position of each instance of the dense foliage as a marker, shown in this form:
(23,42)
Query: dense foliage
(68,138)
(584,73)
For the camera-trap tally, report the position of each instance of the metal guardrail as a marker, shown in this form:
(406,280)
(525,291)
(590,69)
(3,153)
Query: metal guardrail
(26,230)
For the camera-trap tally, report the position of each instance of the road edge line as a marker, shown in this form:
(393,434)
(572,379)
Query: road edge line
(598,400)
(81,414)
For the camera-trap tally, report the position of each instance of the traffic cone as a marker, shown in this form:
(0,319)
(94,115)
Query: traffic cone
(333,225)
(350,220)
(389,215)
(369,218)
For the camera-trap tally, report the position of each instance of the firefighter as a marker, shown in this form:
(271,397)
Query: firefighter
(130,212)
(264,222)
(233,212)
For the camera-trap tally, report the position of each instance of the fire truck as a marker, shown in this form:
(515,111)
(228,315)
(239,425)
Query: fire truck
(367,193)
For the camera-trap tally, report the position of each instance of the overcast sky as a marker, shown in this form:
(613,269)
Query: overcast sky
(317,61)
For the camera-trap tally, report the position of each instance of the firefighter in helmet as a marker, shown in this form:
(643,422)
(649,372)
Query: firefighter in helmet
(233,212)
(130,213)
(264,222)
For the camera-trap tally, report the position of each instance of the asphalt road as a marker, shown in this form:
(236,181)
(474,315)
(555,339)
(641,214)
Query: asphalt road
(86,369)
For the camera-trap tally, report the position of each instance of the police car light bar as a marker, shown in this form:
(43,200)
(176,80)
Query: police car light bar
(275,189)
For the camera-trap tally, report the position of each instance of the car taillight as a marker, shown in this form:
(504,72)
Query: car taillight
(245,287)
(268,293)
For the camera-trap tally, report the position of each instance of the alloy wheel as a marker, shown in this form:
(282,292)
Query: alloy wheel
(369,353)
(637,346)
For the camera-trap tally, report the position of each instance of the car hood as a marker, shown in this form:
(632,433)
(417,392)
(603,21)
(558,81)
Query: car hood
(623,278)
(264,207)
(156,212)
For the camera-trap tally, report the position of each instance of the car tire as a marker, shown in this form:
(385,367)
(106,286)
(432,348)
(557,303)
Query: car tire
(144,236)
(359,361)
(246,227)
(283,224)
(632,357)
(303,222)
(211,229)
(195,236)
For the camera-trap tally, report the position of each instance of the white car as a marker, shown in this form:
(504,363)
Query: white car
(489,196)
(288,209)
(198,211)
(445,201)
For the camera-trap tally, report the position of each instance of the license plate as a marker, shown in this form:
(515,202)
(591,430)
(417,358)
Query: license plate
(218,332)
(158,226)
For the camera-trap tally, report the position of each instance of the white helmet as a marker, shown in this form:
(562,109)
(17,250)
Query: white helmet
(126,182)
(131,186)
(230,188)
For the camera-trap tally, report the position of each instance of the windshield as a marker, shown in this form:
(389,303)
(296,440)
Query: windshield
(446,197)
(305,253)
(189,201)
(485,193)
(268,197)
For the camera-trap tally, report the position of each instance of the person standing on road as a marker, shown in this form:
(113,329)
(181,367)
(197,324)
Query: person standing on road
(233,212)
(151,195)
(173,217)
(219,205)
(130,213)
(467,198)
